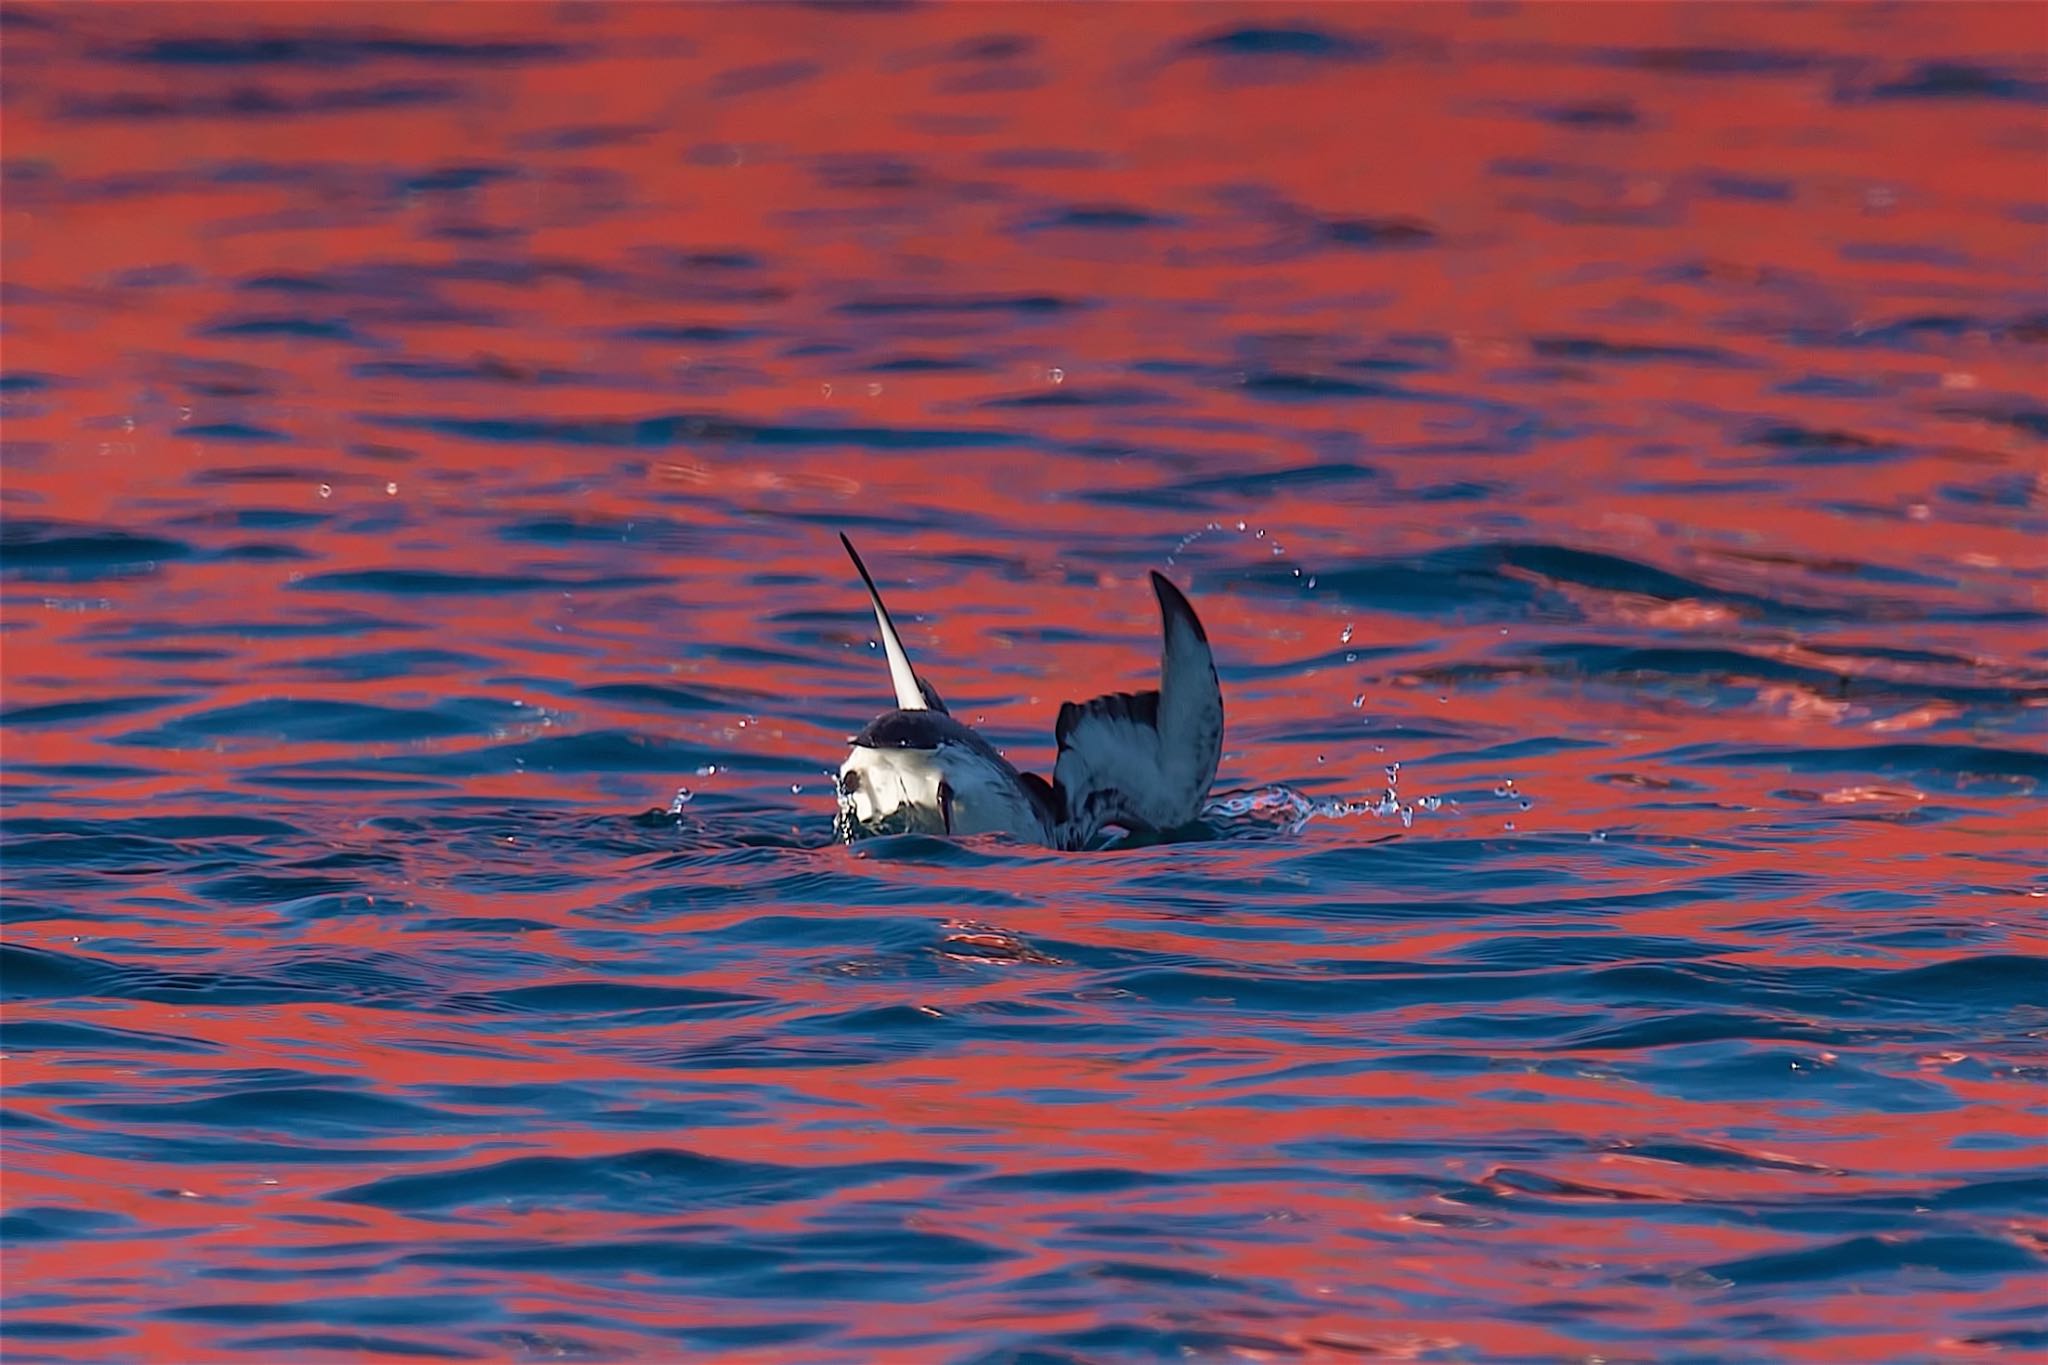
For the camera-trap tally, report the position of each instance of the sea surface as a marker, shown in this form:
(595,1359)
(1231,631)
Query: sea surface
(1606,444)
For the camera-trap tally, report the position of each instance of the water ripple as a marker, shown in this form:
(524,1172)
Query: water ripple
(428,653)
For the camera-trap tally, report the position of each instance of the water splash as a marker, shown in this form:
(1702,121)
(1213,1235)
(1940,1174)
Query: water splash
(1279,809)
(1276,550)
(551,1080)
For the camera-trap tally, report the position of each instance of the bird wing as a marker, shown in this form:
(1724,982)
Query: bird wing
(1144,760)
(912,692)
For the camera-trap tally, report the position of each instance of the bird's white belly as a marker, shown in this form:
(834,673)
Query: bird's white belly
(947,790)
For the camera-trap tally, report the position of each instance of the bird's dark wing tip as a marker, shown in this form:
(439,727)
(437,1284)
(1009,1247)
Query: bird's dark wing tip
(1174,604)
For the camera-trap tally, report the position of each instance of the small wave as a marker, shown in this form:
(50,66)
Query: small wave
(661,1178)
(1965,1256)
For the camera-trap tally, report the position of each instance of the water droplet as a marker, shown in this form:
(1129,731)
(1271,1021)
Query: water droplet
(825,390)
(1344,635)
(1311,580)
(1358,701)
(326,490)
(682,798)
(390,490)
(1240,526)
(1056,375)
(795,787)
(874,390)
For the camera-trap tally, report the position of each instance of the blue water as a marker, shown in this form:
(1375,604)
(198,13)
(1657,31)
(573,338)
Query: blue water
(1605,448)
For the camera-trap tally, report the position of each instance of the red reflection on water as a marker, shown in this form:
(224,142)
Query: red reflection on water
(1569,197)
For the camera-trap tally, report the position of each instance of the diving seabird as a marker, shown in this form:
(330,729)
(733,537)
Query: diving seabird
(1137,760)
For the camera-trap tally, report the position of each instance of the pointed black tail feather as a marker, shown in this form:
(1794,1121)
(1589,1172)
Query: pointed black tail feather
(913,693)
